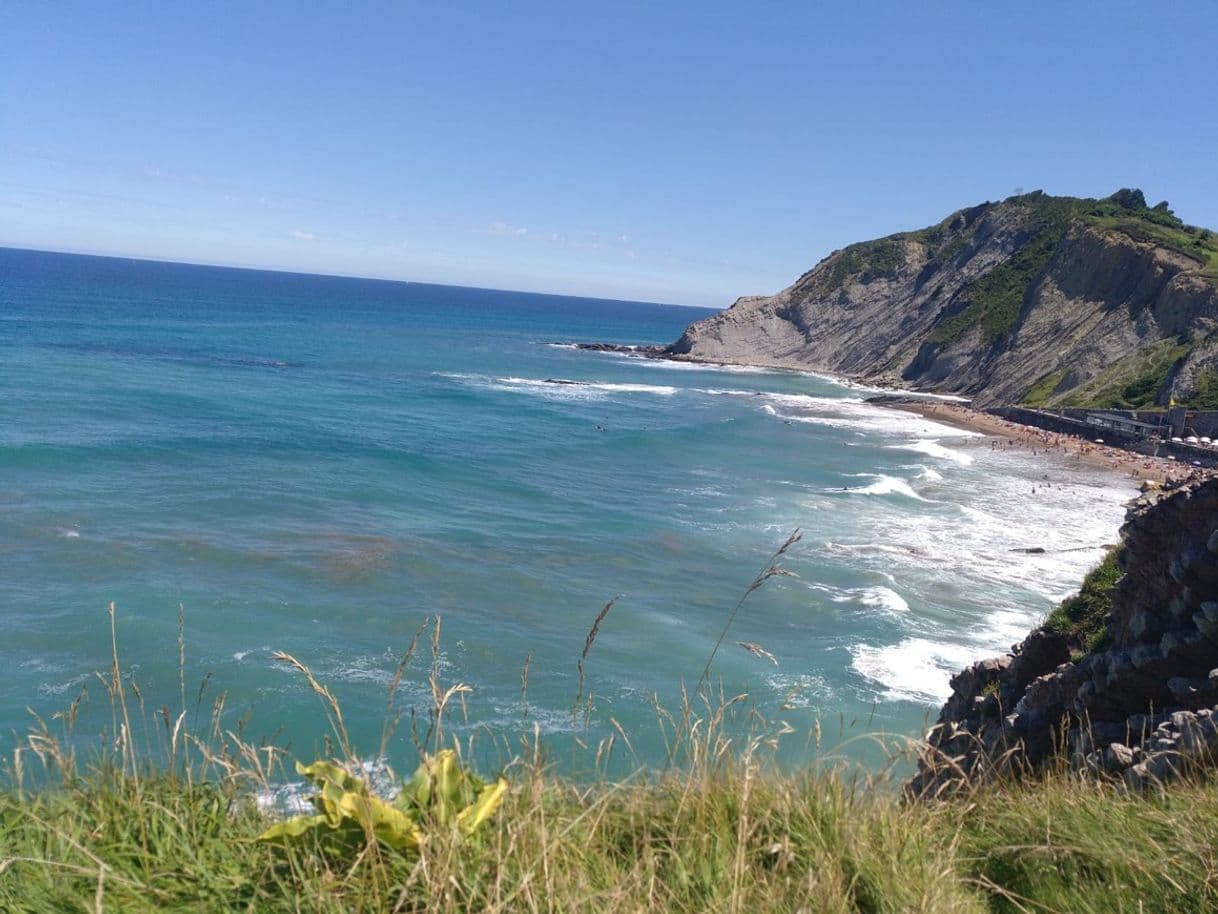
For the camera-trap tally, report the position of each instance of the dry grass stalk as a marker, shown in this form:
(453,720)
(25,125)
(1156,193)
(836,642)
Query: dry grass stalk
(524,684)
(333,712)
(117,693)
(771,569)
(392,719)
(588,642)
(758,651)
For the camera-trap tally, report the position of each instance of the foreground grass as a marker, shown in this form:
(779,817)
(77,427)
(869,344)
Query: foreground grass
(738,840)
(175,828)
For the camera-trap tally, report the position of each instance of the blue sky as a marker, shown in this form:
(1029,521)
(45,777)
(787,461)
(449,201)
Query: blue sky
(686,152)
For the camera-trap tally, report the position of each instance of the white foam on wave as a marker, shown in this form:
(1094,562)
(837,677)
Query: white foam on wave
(681,365)
(932,448)
(533,386)
(279,801)
(60,688)
(729,392)
(729,368)
(800,690)
(978,590)
(851,414)
(885,485)
(659,389)
(884,598)
(557,388)
(580,389)
(879,597)
(550,721)
(915,669)
(887,548)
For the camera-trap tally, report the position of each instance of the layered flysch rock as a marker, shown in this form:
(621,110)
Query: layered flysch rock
(1055,300)
(1144,706)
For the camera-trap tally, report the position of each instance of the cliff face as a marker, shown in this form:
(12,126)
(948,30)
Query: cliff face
(1046,300)
(1140,701)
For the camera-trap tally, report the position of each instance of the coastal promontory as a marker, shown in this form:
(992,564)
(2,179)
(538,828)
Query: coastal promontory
(1036,299)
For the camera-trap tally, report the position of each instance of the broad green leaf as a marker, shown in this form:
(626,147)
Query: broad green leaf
(348,813)
(483,808)
(292,828)
(416,792)
(447,786)
(323,772)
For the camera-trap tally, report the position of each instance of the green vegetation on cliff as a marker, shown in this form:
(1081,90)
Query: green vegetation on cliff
(1132,383)
(994,301)
(868,260)
(1126,211)
(1205,392)
(1082,617)
(1040,392)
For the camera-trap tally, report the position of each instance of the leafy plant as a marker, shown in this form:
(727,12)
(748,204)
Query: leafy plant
(441,793)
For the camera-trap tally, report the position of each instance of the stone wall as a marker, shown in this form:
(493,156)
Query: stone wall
(1066,425)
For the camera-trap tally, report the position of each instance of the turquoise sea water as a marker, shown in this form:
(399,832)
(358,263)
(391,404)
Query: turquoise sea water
(317,465)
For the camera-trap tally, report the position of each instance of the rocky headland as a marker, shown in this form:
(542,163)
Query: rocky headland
(1036,299)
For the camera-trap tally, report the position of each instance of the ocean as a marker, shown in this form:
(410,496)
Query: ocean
(319,465)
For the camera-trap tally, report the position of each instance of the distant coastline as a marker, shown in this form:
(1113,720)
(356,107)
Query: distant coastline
(950,410)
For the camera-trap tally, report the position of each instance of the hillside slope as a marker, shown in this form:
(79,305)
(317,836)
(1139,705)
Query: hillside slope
(1039,299)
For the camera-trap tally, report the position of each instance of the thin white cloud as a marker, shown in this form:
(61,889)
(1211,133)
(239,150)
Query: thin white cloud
(506,230)
(302,236)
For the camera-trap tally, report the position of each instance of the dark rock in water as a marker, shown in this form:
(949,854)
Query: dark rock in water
(651,352)
(1161,652)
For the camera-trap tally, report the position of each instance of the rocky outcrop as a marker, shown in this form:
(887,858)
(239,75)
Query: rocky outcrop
(1053,296)
(1141,705)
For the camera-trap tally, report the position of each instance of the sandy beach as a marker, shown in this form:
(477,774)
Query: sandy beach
(1008,434)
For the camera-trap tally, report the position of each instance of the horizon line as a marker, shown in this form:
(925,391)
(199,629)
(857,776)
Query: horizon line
(290,272)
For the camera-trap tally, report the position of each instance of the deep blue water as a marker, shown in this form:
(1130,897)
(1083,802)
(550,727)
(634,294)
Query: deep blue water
(317,465)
